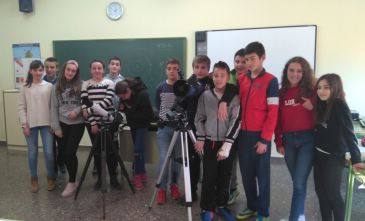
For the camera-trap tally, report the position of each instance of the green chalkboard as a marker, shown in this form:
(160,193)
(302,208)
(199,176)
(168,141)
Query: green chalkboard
(140,57)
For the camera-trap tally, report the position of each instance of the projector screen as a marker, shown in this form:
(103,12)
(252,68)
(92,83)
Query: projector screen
(281,44)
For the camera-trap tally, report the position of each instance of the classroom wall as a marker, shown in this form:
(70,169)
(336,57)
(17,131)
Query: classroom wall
(340,45)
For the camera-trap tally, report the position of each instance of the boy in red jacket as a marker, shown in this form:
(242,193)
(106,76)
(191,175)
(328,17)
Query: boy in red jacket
(259,102)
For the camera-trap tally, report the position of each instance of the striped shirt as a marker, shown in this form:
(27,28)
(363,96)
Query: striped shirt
(165,99)
(100,93)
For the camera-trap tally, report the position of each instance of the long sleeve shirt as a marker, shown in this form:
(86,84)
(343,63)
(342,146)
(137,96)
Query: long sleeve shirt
(292,116)
(207,124)
(336,135)
(62,105)
(100,93)
(34,105)
(259,102)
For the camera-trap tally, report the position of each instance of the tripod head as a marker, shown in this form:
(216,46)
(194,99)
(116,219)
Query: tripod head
(113,125)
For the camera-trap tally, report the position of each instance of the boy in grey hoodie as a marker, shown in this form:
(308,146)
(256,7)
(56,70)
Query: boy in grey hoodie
(214,140)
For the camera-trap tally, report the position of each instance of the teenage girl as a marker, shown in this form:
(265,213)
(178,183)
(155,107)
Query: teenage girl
(67,120)
(100,91)
(294,134)
(34,114)
(334,137)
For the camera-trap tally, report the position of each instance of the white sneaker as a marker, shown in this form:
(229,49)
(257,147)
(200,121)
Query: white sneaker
(69,189)
(301,218)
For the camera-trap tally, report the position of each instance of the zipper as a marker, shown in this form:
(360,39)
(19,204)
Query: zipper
(217,115)
(248,94)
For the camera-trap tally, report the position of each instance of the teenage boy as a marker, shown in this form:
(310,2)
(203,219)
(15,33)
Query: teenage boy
(214,142)
(200,81)
(51,70)
(259,103)
(114,67)
(240,67)
(165,99)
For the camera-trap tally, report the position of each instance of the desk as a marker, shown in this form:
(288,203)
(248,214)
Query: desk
(360,132)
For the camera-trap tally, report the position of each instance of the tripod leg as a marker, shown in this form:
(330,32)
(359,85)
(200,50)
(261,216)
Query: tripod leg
(164,167)
(103,166)
(91,153)
(123,171)
(186,167)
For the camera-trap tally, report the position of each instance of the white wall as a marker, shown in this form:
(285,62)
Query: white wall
(341,32)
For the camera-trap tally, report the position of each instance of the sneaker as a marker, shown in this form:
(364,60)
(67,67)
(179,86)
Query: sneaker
(114,183)
(207,215)
(137,182)
(225,213)
(175,192)
(69,189)
(301,218)
(262,218)
(161,197)
(246,213)
(144,177)
(233,196)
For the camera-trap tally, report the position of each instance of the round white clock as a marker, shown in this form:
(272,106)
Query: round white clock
(114,10)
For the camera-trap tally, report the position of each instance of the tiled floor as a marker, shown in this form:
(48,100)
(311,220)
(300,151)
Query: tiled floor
(17,202)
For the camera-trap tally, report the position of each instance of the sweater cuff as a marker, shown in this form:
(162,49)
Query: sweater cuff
(264,141)
(201,138)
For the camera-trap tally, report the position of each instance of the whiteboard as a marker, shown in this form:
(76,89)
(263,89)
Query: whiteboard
(281,44)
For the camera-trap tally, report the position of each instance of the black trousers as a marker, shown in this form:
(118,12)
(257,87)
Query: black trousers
(111,158)
(216,175)
(68,145)
(58,159)
(327,173)
(194,166)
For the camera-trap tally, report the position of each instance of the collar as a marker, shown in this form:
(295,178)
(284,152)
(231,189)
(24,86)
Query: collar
(263,71)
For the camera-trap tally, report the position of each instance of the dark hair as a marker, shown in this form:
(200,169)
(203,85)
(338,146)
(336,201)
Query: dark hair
(222,65)
(115,58)
(201,59)
(121,87)
(97,61)
(173,61)
(323,108)
(241,53)
(51,59)
(306,84)
(135,84)
(75,83)
(33,66)
(255,47)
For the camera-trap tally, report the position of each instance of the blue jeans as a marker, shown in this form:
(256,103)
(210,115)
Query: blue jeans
(164,136)
(47,141)
(299,150)
(255,171)
(138,136)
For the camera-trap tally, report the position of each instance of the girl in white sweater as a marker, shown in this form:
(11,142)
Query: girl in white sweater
(34,114)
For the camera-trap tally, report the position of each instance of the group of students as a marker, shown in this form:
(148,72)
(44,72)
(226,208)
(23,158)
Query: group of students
(52,106)
(233,115)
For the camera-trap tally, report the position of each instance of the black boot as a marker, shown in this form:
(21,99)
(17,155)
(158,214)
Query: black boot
(114,183)
(97,185)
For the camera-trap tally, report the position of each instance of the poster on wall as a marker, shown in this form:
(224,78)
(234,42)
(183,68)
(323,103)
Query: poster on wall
(23,55)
